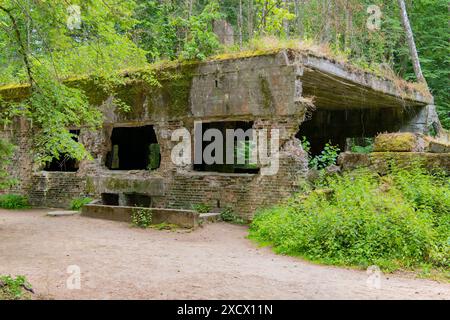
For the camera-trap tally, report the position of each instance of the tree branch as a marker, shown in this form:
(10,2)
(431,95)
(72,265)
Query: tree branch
(22,49)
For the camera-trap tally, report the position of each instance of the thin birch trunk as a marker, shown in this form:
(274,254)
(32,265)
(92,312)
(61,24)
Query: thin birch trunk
(411,43)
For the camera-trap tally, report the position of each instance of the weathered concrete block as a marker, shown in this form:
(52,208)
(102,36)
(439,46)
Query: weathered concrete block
(436,146)
(398,142)
(381,161)
(182,218)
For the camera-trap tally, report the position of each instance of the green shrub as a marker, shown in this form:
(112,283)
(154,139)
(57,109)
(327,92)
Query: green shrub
(141,217)
(77,203)
(228,215)
(14,288)
(201,208)
(365,146)
(13,201)
(6,151)
(400,220)
(326,158)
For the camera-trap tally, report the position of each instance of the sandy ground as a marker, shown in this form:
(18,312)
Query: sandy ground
(214,262)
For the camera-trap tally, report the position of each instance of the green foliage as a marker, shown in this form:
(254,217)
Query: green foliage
(271,14)
(14,288)
(141,217)
(201,208)
(306,145)
(38,47)
(326,158)
(77,203)
(6,151)
(202,41)
(361,149)
(13,201)
(429,20)
(228,215)
(154,156)
(393,221)
(165,226)
(366,147)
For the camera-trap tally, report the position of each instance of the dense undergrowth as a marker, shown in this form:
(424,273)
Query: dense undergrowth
(13,201)
(400,220)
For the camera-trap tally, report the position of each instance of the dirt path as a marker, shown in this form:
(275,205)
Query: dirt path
(214,262)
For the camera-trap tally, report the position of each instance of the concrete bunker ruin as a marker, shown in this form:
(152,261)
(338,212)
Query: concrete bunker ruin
(131,154)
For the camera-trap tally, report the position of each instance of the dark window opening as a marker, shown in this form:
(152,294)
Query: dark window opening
(242,149)
(138,200)
(110,199)
(134,148)
(65,163)
(351,127)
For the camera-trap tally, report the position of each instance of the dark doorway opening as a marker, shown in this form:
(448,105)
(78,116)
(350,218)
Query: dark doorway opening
(341,127)
(242,148)
(133,148)
(65,163)
(138,200)
(110,199)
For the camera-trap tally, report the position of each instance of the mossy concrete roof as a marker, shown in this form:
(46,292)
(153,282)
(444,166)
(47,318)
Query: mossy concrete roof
(333,84)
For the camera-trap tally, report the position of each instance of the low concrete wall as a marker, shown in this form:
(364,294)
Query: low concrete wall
(182,218)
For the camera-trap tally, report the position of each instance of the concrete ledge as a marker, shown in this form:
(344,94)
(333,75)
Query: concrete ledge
(62,213)
(380,161)
(182,218)
(210,217)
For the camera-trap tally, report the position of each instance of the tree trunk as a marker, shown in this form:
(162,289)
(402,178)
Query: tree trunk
(299,7)
(250,19)
(285,21)
(348,26)
(240,21)
(326,12)
(411,43)
(21,44)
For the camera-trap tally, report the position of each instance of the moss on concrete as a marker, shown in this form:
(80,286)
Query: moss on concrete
(396,142)
(266,93)
(382,161)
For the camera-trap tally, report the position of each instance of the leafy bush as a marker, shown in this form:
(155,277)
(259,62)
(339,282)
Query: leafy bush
(202,41)
(13,201)
(6,151)
(201,207)
(77,203)
(399,220)
(228,215)
(14,288)
(365,146)
(141,217)
(326,158)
